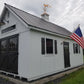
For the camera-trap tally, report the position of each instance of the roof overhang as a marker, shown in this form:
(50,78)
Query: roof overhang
(48,32)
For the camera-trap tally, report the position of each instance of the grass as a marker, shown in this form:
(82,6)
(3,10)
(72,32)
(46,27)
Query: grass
(76,77)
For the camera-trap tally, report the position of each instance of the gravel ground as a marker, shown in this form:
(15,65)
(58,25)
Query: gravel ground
(5,81)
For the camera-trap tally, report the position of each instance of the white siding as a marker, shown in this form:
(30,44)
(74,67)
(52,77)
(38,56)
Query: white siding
(20,27)
(41,65)
(31,63)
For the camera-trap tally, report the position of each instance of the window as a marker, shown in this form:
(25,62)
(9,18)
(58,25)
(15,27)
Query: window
(3,46)
(43,45)
(55,44)
(76,48)
(83,52)
(8,29)
(8,14)
(49,46)
(9,44)
(13,44)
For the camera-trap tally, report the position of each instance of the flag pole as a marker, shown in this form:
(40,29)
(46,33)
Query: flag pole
(76,28)
(79,25)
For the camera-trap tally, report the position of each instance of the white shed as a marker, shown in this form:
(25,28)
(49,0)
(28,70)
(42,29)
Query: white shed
(32,47)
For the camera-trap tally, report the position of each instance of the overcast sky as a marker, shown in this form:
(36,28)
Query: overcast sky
(66,13)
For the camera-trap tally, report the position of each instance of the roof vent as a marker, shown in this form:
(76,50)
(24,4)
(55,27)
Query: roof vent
(45,15)
(1,22)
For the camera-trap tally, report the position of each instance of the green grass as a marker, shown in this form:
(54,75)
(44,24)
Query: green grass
(76,77)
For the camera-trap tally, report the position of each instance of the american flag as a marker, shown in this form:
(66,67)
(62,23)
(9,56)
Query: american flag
(78,37)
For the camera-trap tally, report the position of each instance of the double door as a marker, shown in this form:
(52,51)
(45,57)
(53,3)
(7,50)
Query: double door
(9,54)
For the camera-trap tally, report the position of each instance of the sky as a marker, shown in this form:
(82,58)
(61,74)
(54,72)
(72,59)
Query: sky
(66,13)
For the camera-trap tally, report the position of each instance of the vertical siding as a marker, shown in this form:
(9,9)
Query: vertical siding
(42,65)
(76,59)
(24,54)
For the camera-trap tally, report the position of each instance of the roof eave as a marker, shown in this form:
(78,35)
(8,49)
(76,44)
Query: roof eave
(48,32)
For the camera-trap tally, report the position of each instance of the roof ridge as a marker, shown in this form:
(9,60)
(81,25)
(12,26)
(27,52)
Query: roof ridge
(21,10)
(29,13)
(32,15)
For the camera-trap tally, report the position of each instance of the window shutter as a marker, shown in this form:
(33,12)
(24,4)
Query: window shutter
(55,42)
(43,45)
(74,48)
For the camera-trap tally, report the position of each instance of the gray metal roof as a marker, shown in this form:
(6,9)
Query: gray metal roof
(39,22)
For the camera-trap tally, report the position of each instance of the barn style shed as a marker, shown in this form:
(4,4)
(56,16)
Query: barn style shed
(32,47)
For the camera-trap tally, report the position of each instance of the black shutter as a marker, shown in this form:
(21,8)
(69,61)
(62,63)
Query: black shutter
(43,45)
(55,46)
(74,48)
(79,48)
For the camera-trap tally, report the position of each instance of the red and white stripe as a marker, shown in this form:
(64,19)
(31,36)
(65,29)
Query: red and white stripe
(78,39)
